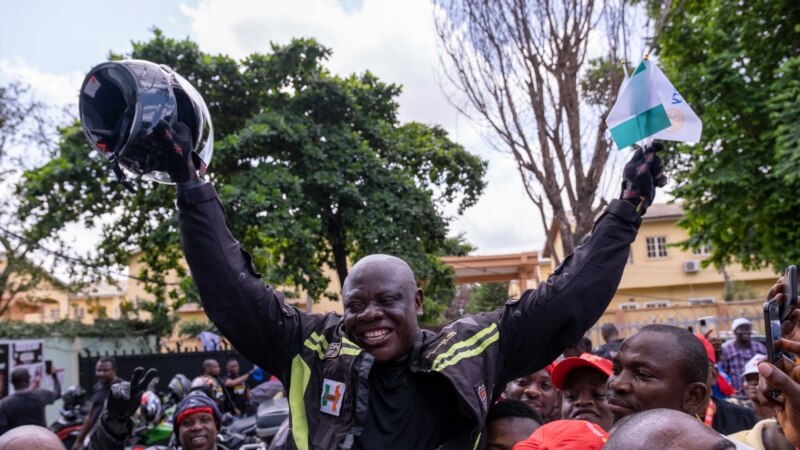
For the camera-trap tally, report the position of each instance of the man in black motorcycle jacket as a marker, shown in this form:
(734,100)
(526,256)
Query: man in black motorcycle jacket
(371,378)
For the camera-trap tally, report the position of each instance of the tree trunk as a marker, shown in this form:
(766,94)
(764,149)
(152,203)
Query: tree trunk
(337,241)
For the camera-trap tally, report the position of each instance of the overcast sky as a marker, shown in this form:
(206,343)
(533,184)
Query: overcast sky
(51,44)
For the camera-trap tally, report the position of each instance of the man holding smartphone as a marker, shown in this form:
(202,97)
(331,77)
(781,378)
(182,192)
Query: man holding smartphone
(26,405)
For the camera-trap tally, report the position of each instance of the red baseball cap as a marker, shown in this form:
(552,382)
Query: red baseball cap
(567,365)
(565,435)
(708,346)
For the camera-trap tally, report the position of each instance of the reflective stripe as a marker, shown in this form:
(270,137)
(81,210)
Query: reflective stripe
(460,350)
(349,348)
(477,441)
(317,343)
(301,373)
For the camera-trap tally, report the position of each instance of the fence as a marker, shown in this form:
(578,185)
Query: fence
(629,321)
(185,361)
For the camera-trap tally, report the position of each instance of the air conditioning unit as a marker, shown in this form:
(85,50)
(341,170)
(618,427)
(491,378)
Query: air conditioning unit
(691,266)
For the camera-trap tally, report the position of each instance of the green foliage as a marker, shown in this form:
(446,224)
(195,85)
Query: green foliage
(488,297)
(314,169)
(104,328)
(737,64)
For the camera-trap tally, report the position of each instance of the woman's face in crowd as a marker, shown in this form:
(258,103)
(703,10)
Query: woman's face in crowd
(537,391)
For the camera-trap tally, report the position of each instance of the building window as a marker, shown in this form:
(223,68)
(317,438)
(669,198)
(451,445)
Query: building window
(630,305)
(701,301)
(657,247)
(657,304)
(77,312)
(53,313)
(703,250)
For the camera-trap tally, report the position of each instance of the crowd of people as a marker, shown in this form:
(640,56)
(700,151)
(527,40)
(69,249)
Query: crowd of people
(522,377)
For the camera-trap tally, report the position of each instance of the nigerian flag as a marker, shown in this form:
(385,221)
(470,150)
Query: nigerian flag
(649,106)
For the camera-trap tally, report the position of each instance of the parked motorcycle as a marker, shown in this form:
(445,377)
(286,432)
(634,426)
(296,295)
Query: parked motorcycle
(71,416)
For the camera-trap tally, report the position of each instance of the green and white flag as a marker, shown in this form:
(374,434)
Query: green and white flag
(649,106)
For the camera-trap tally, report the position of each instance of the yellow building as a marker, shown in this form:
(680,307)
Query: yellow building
(660,274)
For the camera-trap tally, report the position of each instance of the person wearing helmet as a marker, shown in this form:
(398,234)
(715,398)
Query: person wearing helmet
(26,405)
(197,419)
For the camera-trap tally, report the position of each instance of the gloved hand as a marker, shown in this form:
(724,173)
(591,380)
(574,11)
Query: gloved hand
(177,151)
(124,398)
(642,174)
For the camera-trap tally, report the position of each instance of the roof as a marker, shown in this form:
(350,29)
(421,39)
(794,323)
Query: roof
(661,211)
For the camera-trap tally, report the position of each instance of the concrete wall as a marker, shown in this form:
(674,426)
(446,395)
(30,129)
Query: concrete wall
(64,354)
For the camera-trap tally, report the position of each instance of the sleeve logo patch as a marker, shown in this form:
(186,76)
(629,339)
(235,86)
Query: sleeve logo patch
(333,350)
(332,396)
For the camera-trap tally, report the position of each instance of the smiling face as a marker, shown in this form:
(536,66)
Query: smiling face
(198,432)
(647,374)
(381,301)
(584,397)
(536,390)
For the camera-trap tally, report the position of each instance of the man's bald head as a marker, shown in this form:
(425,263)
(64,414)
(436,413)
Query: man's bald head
(664,429)
(29,437)
(380,263)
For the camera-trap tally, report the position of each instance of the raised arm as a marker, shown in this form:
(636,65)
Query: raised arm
(252,316)
(537,328)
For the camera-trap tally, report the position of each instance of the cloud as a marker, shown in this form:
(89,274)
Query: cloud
(54,89)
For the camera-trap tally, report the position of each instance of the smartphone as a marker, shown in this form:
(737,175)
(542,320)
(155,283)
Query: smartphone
(772,332)
(789,291)
(48,367)
(707,323)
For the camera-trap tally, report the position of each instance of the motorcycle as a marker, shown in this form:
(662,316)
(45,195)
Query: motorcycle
(71,416)
(270,416)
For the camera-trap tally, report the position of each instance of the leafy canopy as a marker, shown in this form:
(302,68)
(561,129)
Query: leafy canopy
(738,65)
(314,169)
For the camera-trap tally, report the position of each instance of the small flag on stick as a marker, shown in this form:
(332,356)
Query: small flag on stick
(649,106)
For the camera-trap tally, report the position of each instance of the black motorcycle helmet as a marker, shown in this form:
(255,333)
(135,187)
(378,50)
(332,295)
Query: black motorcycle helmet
(121,102)
(73,397)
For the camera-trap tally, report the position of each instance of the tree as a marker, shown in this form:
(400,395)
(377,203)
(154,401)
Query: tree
(488,297)
(314,170)
(22,121)
(741,73)
(520,68)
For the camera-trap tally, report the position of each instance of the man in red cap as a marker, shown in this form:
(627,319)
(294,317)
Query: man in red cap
(566,435)
(722,415)
(583,384)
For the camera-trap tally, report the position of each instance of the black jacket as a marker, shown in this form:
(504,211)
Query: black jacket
(478,354)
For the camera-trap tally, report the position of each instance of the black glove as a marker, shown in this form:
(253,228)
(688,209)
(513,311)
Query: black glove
(642,174)
(177,148)
(124,398)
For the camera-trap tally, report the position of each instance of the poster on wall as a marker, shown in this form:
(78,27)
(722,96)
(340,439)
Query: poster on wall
(26,354)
